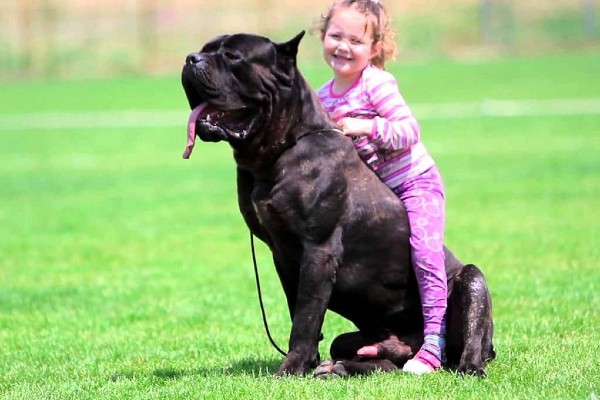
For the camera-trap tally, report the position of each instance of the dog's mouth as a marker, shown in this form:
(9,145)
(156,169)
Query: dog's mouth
(234,122)
(213,125)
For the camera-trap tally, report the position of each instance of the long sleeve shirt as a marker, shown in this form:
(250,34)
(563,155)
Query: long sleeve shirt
(394,149)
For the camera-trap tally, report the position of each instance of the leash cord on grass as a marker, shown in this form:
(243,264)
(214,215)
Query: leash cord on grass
(260,300)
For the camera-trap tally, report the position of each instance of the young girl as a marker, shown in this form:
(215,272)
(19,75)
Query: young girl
(365,102)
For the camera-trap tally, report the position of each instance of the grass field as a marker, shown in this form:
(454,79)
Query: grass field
(125,272)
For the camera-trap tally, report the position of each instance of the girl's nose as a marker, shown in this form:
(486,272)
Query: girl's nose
(342,45)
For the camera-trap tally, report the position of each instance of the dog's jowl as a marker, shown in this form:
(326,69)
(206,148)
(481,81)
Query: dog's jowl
(338,235)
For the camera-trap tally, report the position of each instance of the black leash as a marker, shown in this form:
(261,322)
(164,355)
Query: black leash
(258,289)
(262,306)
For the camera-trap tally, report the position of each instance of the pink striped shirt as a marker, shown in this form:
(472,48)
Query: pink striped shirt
(394,149)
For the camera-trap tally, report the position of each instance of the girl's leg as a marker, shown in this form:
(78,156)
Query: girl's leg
(423,198)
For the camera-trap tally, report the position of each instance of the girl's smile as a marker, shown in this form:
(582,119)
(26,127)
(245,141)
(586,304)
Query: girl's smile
(348,45)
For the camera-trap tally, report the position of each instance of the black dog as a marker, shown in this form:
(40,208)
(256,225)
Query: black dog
(338,235)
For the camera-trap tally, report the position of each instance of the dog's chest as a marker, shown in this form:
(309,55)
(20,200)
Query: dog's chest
(263,209)
(272,208)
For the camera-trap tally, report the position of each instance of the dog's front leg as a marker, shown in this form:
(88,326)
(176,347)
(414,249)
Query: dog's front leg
(315,284)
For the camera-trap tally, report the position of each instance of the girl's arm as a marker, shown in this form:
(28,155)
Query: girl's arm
(395,127)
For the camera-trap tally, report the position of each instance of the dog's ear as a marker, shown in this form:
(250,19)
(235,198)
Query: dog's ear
(290,48)
(286,59)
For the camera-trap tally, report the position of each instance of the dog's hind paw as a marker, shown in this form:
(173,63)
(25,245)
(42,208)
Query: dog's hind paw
(330,369)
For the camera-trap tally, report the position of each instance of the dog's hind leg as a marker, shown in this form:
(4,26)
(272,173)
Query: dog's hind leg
(469,323)
(386,354)
(355,345)
(345,361)
(345,346)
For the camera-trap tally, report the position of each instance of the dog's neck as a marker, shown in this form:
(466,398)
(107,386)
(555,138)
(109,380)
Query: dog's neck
(298,119)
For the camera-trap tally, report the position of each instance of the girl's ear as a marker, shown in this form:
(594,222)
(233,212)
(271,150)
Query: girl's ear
(376,49)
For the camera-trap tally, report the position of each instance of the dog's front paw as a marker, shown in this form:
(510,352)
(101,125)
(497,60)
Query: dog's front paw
(295,364)
(289,369)
(471,369)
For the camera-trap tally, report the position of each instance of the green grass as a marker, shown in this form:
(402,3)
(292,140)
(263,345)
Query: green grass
(125,272)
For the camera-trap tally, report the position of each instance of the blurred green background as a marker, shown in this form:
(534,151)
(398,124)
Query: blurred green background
(125,271)
(91,38)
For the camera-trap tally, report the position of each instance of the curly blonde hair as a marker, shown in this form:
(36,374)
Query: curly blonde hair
(381,26)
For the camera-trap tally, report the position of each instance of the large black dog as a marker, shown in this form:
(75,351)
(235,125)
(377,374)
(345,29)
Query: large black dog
(338,235)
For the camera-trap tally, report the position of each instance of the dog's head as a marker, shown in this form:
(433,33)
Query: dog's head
(234,85)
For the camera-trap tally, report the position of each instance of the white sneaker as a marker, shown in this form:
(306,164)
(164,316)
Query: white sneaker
(416,367)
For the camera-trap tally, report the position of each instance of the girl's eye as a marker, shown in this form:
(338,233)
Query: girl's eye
(335,36)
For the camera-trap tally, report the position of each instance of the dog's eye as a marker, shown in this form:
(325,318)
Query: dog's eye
(231,56)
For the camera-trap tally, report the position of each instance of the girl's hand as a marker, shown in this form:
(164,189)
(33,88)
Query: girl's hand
(356,126)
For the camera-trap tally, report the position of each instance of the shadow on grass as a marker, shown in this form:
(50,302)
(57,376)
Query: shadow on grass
(255,367)
(246,367)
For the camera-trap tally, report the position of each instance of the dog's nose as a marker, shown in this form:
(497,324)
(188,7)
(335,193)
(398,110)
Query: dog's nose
(193,58)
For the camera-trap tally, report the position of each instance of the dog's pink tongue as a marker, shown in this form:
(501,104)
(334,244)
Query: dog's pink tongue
(191,130)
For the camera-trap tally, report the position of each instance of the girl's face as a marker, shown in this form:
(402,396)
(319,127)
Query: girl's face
(348,43)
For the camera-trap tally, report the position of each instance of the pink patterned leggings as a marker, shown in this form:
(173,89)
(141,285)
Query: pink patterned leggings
(423,197)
